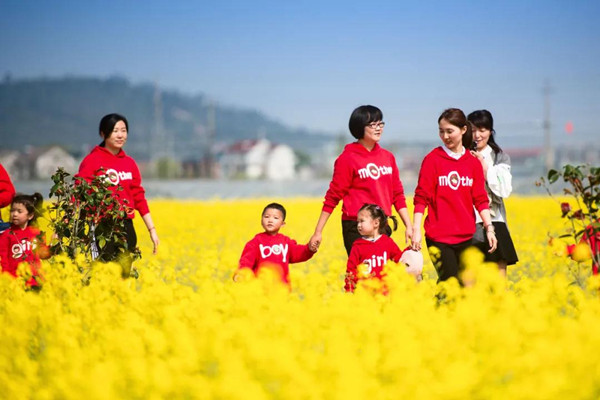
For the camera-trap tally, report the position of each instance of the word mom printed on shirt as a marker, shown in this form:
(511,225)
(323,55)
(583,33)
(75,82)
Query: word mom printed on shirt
(374,171)
(454,180)
(276,249)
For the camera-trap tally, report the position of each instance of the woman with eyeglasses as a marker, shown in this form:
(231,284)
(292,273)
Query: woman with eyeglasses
(363,173)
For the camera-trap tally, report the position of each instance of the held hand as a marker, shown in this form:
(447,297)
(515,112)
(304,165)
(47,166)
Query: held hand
(416,239)
(155,240)
(491,236)
(408,234)
(315,241)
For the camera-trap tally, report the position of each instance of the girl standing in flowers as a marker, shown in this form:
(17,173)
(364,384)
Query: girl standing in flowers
(498,185)
(7,192)
(450,183)
(24,242)
(109,159)
(363,173)
(373,249)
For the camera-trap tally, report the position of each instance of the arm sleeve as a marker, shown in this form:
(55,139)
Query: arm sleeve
(351,270)
(4,245)
(248,258)
(425,186)
(87,170)
(398,189)
(7,189)
(339,185)
(499,178)
(395,252)
(478,193)
(299,252)
(138,193)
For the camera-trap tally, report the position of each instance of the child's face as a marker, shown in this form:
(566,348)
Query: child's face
(367,226)
(272,220)
(19,215)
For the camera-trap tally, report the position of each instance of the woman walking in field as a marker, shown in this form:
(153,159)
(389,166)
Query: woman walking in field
(450,184)
(498,185)
(363,173)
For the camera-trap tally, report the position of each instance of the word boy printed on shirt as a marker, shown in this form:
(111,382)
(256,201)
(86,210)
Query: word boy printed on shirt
(454,180)
(375,262)
(374,171)
(114,176)
(276,249)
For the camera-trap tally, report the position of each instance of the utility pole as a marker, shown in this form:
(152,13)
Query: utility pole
(210,138)
(548,150)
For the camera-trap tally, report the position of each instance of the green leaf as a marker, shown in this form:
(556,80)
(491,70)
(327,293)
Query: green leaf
(553,175)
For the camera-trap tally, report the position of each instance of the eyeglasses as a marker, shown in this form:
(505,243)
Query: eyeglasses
(375,125)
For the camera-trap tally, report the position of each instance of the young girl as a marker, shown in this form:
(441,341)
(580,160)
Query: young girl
(450,183)
(374,249)
(498,185)
(23,242)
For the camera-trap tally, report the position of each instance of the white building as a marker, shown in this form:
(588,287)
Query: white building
(258,159)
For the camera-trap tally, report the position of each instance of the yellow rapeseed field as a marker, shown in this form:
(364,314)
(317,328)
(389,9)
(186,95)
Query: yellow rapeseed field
(185,330)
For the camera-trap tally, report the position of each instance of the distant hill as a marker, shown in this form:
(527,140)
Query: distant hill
(66,111)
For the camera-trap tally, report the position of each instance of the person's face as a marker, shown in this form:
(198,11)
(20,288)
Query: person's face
(367,226)
(272,220)
(117,139)
(373,132)
(481,137)
(19,216)
(451,135)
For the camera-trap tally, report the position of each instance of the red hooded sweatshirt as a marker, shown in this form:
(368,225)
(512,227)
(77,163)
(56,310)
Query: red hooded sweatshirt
(22,245)
(361,176)
(450,188)
(373,253)
(122,171)
(266,250)
(7,190)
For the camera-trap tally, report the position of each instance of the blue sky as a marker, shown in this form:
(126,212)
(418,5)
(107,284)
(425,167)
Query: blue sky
(310,63)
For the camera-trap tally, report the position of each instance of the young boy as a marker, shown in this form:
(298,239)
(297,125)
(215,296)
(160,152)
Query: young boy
(270,249)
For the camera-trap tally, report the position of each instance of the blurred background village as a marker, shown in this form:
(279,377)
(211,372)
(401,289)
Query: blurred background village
(253,99)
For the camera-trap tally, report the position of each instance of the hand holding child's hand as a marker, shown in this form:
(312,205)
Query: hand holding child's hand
(312,246)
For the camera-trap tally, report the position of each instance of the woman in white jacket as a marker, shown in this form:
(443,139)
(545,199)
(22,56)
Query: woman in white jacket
(498,179)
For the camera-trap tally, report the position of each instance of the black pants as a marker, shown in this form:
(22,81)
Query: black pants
(350,233)
(447,262)
(112,250)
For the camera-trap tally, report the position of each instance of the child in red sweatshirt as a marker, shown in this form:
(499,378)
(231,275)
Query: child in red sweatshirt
(450,184)
(23,242)
(374,249)
(272,249)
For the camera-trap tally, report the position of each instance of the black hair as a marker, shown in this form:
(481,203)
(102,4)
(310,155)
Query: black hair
(378,213)
(361,117)
(107,124)
(33,203)
(483,119)
(456,117)
(275,206)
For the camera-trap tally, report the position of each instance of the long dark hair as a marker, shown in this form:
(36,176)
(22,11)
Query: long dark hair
(378,214)
(457,118)
(32,202)
(483,119)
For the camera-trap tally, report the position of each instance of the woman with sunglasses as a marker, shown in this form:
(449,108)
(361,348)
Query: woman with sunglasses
(363,173)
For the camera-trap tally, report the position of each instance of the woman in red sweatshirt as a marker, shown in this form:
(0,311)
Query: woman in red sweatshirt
(110,159)
(450,183)
(363,173)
